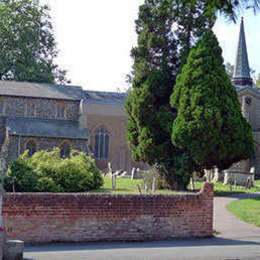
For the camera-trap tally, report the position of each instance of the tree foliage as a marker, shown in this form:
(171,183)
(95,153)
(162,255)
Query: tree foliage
(47,172)
(27,43)
(209,123)
(229,8)
(160,53)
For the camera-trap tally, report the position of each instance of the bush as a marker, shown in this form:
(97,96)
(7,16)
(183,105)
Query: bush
(20,176)
(47,172)
(161,183)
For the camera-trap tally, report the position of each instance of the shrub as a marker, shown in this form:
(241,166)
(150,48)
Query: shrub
(46,172)
(21,176)
(161,183)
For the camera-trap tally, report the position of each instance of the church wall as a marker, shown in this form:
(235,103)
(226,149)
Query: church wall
(42,143)
(45,108)
(2,130)
(113,119)
(252,113)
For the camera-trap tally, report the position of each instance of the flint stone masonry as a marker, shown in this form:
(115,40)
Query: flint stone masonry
(43,144)
(82,217)
(45,108)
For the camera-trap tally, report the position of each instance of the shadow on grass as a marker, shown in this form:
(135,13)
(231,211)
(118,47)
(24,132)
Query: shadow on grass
(237,194)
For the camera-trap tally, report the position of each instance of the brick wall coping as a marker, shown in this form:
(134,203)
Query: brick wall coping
(206,188)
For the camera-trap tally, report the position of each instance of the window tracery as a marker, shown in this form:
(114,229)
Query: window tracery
(101,143)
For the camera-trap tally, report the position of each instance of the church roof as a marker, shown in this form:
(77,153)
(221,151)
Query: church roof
(39,90)
(253,88)
(102,97)
(46,128)
(242,71)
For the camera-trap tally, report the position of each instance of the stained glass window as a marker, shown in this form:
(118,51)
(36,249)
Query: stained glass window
(1,107)
(31,147)
(30,109)
(65,150)
(60,111)
(101,144)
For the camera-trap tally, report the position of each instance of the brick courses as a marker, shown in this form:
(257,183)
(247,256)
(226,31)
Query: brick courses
(81,217)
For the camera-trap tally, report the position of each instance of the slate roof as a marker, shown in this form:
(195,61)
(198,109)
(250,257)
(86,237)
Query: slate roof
(253,88)
(46,128)
(102,97)
(40,90)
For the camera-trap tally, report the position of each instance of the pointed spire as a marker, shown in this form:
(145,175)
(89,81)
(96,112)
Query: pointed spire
(241,75)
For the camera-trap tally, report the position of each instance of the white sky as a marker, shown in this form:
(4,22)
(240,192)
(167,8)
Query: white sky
(95,39)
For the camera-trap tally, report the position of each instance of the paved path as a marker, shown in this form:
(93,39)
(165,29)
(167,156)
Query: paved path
(236,241)
(227,224)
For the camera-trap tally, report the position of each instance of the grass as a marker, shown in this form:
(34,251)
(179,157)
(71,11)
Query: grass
(128,186)
(226,190)
(247,210)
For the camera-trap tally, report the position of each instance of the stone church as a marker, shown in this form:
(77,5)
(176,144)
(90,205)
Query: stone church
(37,116)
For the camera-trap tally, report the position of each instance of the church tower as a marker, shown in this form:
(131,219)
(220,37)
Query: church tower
(241,76)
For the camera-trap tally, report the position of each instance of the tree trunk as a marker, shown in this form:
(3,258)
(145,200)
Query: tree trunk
(175,184)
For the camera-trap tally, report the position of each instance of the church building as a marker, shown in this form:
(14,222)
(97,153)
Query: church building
(38,116)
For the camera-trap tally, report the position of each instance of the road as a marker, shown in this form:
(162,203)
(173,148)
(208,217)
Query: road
(235,240)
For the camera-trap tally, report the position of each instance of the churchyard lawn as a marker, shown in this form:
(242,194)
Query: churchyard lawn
(126,186)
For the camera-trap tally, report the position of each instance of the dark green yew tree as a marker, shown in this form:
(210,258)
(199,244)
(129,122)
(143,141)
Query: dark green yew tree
(27,43)
(209,125)
(157,60)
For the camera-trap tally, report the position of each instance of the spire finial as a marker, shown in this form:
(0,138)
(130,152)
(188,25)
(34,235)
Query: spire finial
(242,71)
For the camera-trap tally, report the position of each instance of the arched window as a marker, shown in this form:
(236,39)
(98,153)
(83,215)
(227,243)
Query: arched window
(65,149)
(60,111)
(31,147)
(30,109)
(101,143)
(1,106)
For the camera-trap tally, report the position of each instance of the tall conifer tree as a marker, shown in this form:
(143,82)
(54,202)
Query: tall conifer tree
(209,123)
(157,60)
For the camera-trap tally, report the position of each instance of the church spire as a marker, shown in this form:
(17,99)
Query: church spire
(241,75)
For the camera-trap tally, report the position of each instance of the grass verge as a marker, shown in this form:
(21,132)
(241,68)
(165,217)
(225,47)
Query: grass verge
(247,210)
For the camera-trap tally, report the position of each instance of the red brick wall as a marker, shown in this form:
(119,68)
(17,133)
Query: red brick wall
(48,217)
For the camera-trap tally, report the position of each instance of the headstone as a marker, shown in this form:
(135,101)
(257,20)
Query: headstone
(154,185)
(192,183)
(114,182)
(124,174)
(109,168)
(133,173)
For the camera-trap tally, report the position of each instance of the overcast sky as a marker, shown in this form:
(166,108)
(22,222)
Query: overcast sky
(95,39)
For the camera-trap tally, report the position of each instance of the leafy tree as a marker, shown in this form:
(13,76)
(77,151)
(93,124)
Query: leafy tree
(157,60)
(229,8)
(209,125)
(27,43)
(229,69)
